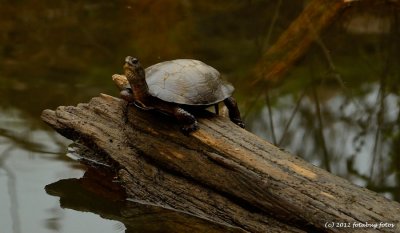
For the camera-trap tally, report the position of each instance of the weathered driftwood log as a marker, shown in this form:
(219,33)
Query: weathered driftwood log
(221,172)
(99,125)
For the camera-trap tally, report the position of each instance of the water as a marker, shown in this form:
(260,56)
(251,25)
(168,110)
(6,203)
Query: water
(337,107)
(31,159)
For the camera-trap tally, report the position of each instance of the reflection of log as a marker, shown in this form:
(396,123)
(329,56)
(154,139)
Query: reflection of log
(295,41)
(221,172)
(83,195)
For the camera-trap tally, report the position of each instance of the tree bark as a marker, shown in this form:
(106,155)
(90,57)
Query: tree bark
(221,172)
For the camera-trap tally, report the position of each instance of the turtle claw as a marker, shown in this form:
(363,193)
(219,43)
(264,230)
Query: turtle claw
(238,122)
(187,129)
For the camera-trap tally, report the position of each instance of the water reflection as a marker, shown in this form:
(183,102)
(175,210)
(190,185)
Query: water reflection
(14,137)
(89,194)
(12,192)
(352,144)
(30,159)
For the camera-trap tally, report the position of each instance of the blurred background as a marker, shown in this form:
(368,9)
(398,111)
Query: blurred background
(337,106)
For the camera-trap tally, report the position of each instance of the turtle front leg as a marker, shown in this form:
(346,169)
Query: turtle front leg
(188,121)
(234,113)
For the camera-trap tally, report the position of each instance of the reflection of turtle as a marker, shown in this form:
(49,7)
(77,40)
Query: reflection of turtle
(174,87)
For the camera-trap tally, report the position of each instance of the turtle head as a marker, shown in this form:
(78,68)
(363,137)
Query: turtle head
(135,74)
(134,71)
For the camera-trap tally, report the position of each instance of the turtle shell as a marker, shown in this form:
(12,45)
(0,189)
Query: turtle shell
(187,81)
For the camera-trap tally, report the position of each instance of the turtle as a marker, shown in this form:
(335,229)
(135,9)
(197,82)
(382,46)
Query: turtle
(176,88)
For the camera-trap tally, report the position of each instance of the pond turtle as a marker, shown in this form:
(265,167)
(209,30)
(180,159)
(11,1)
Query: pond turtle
(176,87)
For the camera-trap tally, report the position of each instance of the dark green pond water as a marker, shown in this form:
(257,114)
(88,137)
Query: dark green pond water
(337,106)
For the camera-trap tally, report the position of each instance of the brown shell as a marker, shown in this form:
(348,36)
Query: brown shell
(187,81)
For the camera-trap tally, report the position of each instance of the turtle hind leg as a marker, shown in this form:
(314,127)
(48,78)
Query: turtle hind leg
(234,113)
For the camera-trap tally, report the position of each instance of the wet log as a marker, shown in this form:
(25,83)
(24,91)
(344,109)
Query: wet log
(220,173)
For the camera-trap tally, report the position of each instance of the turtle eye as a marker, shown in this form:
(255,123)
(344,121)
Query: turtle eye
(135,61)
(131,60)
